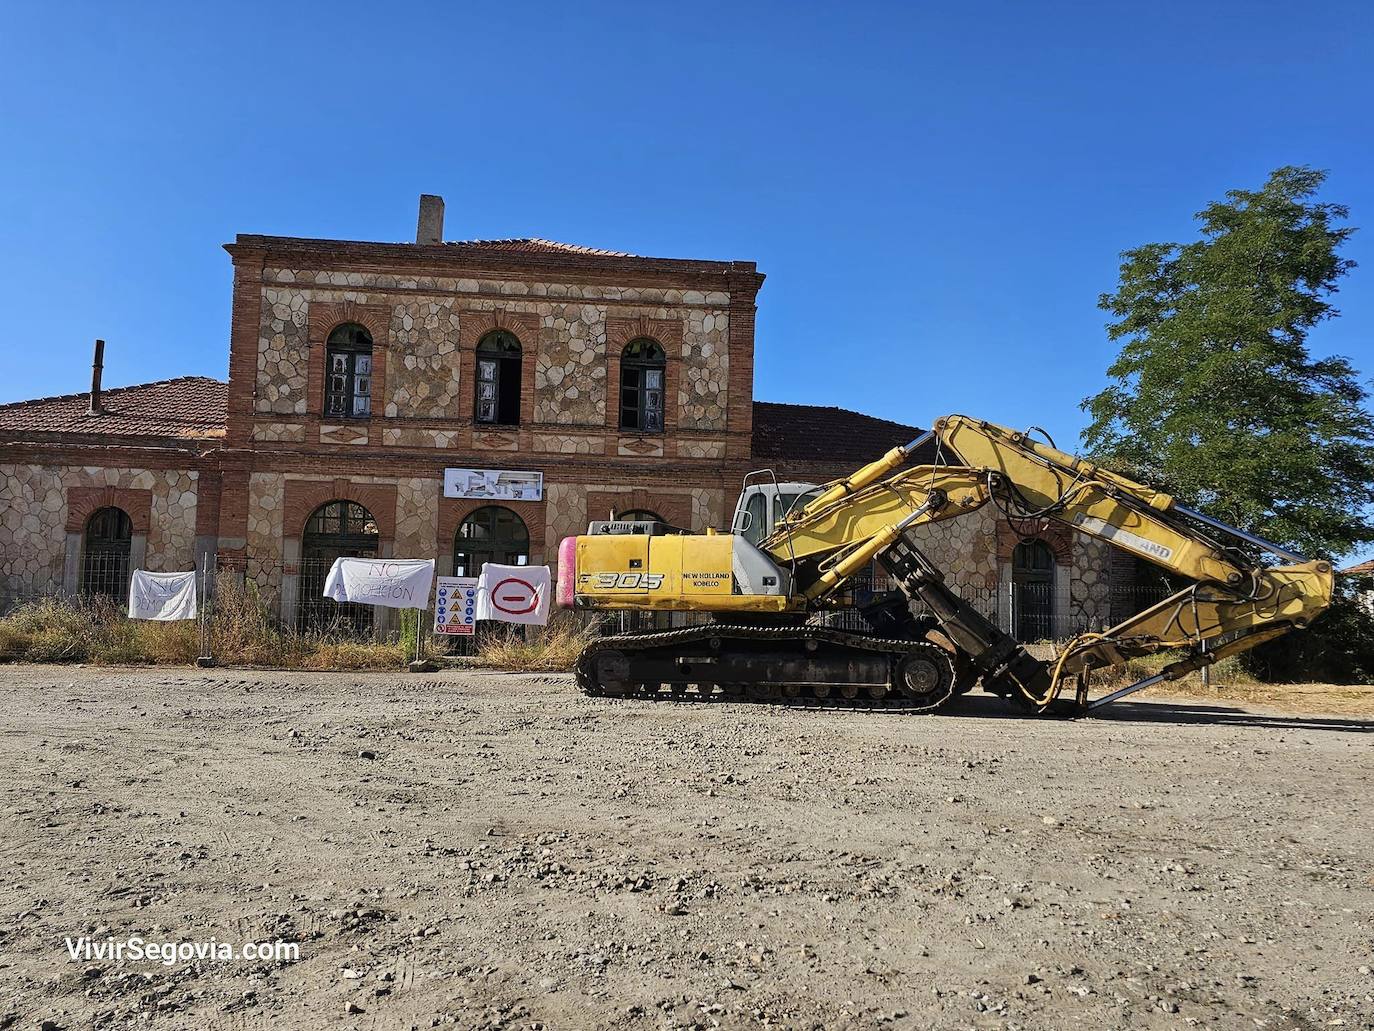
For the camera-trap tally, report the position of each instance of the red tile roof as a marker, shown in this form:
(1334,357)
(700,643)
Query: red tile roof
(1363,569)
(828,436)
(188,407)
(535,245)
(193,408)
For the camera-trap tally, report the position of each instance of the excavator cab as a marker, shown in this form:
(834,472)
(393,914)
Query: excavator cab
(762,506)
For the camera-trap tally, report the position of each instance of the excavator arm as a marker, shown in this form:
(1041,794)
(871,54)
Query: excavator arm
(1235,603)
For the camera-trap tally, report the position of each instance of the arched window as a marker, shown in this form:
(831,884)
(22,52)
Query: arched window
(348,384)
(641,386)
(105,560)
(642,515)
(337,529)
(1032,578)
(490,534)
(498,379)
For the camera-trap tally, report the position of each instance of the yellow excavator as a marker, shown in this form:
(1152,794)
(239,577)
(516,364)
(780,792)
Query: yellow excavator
(761,642)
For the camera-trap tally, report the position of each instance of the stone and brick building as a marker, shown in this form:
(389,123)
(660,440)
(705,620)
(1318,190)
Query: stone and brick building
(368,380)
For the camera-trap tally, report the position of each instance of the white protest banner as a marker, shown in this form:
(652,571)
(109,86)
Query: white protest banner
(163,596)
(396,583)
(455,605)
(514,594)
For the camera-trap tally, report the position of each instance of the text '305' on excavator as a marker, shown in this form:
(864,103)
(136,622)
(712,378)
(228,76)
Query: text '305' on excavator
(759,645)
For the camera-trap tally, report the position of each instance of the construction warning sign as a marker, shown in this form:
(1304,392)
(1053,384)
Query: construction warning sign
(455,605)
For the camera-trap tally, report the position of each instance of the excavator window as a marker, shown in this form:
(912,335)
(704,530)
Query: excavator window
(757,526)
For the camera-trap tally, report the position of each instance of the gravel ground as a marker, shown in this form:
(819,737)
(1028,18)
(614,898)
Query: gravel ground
(488,850)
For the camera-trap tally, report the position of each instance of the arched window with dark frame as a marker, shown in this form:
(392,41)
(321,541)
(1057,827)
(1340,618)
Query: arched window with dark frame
(497,390)
(337,529)
(348,380)
(642,367)
(105,556)
(492,533)
(640,515)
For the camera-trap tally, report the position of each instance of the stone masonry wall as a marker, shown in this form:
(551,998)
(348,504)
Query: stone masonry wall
(570,369)
(283,353)
(33,536)
(33,517)
(964,549)
(1090,583)
(706,370)
(266,493)
(423,375)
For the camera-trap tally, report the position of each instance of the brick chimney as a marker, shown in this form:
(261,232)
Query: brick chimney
(97,365)
(430,228)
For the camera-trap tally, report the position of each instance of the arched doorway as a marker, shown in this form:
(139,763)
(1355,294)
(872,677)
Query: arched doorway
(1032,579)
(337,529)
(105,557)
(640,515)
(492,533)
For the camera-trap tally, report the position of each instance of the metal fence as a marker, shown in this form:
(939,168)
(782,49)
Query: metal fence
(105,572)
(293,596)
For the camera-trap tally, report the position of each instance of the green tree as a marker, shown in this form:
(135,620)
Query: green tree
(1214,395)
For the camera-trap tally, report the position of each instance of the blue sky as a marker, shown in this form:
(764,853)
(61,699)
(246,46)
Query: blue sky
(937,193)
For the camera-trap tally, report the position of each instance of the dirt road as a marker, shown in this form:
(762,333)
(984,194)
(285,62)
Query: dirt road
(495,851)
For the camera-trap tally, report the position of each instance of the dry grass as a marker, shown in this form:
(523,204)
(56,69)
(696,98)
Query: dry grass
(1231,682)
(94,630)
(550,649)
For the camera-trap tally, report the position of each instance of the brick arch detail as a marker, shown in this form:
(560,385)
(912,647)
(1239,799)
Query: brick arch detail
(452,512)
(303,497)
(322,318)
(1056,535)
(524,326)
(668,334)
(84,502)
(675,508)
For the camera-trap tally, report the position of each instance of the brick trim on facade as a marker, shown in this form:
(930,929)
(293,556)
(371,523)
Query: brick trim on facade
(84,502)
(1057,536)
(303,497)
(675,508)
(739,410)
(322,318)
(524,326)
(244,330)
(668,334)
(452,512)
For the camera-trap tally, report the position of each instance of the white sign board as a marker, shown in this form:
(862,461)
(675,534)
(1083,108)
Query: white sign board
(162,595)
(396,583)
(455,605)
(514,594)
(494,484)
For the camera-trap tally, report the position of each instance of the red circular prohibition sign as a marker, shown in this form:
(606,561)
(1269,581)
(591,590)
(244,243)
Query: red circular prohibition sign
(517,597)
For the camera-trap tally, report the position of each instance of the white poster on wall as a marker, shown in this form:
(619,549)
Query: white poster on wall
(494,484)
(396,583)
(514,594)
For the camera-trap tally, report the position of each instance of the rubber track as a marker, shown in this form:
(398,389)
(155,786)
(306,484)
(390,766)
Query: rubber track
(639,641)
